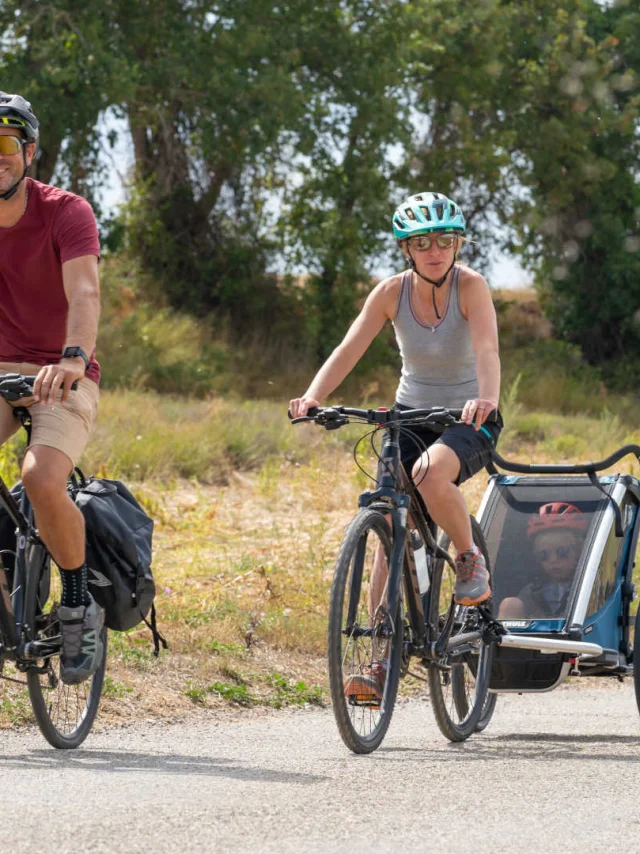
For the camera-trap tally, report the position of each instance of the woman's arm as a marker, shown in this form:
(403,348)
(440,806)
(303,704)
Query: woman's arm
(477,307)
(379,306)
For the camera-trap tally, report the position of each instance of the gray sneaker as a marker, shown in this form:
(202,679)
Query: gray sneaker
(472,579)
(82,646)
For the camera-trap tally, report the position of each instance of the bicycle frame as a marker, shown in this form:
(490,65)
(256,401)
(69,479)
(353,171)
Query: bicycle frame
(15,643)
(427,641)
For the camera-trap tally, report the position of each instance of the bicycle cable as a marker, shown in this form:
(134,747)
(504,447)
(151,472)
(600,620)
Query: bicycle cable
(404,431)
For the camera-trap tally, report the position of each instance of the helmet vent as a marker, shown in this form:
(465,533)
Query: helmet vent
(410,214)
(425,211)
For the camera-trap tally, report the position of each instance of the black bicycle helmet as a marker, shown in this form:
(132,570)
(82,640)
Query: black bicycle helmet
(16,112)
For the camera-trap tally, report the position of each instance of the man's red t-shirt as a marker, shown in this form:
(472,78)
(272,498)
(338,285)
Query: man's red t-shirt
(57,226)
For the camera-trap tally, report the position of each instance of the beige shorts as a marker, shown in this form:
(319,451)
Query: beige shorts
(65,427)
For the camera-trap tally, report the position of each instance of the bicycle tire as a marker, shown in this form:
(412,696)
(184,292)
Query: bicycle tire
(487,712)
(636,658)
(362,727)
(64,713)
(467,710)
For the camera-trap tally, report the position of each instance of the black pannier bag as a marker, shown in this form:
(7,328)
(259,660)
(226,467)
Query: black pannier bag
(119,535)
(8,537)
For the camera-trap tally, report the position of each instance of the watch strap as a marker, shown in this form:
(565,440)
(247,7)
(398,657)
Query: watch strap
(74,352)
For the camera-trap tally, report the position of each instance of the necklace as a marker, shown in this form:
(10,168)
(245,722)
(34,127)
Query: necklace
(433,327)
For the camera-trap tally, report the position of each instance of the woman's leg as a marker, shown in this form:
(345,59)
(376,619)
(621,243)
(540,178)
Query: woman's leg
(435,475)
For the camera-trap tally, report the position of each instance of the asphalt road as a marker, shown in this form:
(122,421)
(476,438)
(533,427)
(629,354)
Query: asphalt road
(553,772)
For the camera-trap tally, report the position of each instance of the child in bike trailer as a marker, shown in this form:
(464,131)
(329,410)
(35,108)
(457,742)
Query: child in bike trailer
(556,535)
(49,309)
(445,325)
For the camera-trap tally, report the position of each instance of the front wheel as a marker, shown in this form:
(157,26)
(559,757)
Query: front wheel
(364,641)
(459,681)
(64,713)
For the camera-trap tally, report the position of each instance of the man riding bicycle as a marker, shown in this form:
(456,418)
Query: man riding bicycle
(446,328)
(49,309)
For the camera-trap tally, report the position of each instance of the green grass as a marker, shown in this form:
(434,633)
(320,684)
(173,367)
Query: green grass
(15,707)
(274,691)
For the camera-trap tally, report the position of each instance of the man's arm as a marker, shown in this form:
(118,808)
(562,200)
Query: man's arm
(82,289)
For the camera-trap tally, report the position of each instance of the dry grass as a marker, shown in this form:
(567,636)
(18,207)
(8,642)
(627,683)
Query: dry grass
(243,572)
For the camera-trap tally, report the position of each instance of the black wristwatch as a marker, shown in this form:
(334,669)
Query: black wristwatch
(74,352)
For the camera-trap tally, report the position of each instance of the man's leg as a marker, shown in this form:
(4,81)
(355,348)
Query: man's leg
(61,526)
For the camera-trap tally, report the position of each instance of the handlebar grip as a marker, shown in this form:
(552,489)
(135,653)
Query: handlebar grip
(28,380)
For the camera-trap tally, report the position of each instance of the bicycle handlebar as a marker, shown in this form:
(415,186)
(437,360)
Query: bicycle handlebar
(16,386)
(332,417)
(578,468)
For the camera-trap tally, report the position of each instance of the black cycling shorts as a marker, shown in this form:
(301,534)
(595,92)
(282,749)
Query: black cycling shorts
(472,447)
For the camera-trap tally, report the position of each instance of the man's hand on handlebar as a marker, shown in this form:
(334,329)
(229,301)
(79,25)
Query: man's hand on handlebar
(52,379)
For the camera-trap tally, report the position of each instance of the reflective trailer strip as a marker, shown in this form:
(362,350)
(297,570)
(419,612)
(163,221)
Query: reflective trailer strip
(550,645)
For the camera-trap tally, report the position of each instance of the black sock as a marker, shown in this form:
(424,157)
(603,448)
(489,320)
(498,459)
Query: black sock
(74,587)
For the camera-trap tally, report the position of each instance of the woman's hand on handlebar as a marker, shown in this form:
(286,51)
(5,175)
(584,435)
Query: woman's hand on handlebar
(477,411)
(299,406)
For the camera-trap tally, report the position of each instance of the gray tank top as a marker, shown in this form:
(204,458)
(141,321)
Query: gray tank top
(438,362)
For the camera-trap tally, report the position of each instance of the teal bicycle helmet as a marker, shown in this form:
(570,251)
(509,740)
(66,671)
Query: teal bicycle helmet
(427,212)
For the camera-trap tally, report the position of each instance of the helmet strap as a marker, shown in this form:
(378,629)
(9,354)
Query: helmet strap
(10,193)
(435,282)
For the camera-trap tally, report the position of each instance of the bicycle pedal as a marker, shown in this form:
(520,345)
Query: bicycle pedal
(367,701)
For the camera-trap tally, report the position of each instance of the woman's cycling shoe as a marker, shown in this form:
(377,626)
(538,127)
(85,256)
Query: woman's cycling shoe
(472,579)
(82,646)
(366,688)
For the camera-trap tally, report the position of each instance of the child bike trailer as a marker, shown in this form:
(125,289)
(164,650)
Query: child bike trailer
(562,543)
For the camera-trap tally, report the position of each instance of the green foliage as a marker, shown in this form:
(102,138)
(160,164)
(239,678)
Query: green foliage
(290,693)
(287,693)
(284,135)
(580,228)
(112,688)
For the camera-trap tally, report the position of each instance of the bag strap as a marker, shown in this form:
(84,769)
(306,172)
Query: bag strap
(153,628)
(77,478)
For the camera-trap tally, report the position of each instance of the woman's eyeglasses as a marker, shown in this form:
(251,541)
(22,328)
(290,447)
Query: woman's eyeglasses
(423,242)
(11,145)
(561,552)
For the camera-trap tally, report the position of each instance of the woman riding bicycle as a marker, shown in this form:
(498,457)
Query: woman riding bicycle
(446,328)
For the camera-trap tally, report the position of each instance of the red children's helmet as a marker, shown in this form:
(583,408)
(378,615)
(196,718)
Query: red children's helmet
(557,514)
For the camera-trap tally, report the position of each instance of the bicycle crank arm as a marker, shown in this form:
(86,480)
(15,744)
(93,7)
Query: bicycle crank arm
(39,649)
(463,639)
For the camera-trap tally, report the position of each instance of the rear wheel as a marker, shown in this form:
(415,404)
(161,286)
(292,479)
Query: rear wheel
(459,681)
(364,641)
(487,712)
(64,713)
(636,658)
